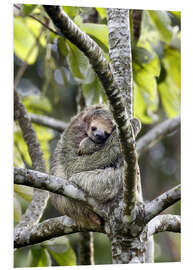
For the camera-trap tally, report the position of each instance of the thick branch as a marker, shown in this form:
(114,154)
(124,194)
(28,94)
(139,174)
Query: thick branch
(162,223)
(48,229)
(157,133)
(121,64)
(156,206)
(48,122)
(48,182)
(120,54)
(35,209)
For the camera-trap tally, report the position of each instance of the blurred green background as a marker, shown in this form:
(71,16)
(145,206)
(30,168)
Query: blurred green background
(56,72)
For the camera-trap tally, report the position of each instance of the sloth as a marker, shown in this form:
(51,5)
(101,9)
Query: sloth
(88,154)
(99,125)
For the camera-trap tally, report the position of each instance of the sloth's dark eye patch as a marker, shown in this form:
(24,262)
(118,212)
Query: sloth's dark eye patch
(93,128)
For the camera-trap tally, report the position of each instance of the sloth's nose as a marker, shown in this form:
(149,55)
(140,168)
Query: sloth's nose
(100,136)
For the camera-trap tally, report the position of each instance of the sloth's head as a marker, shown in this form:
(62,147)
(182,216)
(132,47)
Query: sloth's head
(100,129)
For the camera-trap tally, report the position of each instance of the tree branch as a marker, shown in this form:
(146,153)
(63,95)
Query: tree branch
(157,133)
(121,64)
(35,209)
(48,229)
(48,182)
(48,122)
(136,23)
(120,53)
(162,223)
(162,202)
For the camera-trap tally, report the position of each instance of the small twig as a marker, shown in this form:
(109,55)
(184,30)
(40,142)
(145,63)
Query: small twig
(162,223)
(162,202)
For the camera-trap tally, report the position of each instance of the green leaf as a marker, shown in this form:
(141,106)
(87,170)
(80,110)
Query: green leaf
(60,249)
(177,14)
(71,11)
(142,109)
(22,257)
(170,97)
(153,65)
(40,257)
(35,27)
(102,12)
(21,151)
(146,81)
(141,55)
(17,210)
(37,104)
(24,42)
(162,23)
(146,95)
(78,62)
(27,9)
(62,46)
(172,64)
(24,191)
(98,31)
(169,88)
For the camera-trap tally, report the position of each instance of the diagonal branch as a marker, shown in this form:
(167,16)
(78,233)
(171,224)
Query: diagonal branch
(156,134)
(35,209)
(156,206)
(162,223)
(50,228)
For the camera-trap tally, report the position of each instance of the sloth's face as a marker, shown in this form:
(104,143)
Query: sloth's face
(100,129)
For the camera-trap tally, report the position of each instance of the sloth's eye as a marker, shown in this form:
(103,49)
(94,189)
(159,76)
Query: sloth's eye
(93,128)
(106,134)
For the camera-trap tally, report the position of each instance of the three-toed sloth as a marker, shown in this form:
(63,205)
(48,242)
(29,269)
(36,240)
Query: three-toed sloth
(89,155)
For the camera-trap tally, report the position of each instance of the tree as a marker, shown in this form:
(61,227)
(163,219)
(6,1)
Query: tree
(101,67)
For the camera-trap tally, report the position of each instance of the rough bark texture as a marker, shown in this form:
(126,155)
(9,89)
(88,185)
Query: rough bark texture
(120,54)
(48,182)
(48,229)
